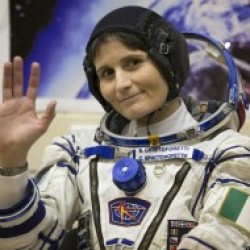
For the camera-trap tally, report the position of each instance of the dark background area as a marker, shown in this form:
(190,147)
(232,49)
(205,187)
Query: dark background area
(27,18)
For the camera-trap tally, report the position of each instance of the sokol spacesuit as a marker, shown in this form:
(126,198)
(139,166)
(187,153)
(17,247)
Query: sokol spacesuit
(189,187)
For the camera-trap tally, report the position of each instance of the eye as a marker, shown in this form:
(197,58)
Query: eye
(106,73)
(132,63)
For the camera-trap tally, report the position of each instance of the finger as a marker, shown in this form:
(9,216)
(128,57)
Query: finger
(49,114)
(34,81)
(7,81)
(17,77)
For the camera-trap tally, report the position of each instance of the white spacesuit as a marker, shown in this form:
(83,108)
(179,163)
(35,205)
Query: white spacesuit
(184,199)
(186,189)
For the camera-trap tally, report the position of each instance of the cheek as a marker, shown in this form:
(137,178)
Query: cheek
(157,84)
(106,92)
(164,90)
(161,92)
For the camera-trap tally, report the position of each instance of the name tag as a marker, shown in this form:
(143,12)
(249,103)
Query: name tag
(163,153)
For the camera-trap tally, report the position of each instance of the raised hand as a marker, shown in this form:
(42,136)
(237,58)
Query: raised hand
(20,126)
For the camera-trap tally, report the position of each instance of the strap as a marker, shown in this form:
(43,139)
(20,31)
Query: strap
(167,200)
(95,200)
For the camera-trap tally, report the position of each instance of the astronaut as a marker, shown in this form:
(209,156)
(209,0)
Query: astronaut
(162,171)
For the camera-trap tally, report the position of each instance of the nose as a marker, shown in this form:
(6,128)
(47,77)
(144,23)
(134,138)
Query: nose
(123,80)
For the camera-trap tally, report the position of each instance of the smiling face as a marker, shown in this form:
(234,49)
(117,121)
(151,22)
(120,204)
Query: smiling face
(129,80)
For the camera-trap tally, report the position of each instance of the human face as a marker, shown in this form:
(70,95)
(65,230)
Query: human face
(129,80)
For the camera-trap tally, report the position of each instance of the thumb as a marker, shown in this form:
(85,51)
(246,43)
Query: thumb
(49,114)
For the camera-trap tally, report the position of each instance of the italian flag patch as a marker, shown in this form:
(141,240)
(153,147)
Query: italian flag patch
(236,208)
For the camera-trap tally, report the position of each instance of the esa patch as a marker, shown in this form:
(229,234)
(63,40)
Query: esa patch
(177,230)
(127,211)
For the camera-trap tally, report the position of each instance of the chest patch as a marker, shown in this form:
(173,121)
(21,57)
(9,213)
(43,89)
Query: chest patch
(177,230)
(127,211)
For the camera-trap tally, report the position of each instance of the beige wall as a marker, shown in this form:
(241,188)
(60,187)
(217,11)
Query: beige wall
(66,122)
(61,125)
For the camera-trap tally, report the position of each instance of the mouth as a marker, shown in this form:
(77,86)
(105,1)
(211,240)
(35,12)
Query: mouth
(130,99)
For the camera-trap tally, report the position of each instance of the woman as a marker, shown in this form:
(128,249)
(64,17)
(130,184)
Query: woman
(151,179)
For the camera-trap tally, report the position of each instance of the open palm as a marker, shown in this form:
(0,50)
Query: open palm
(20,126)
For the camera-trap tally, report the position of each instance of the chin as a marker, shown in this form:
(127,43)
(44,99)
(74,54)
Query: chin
(134,114)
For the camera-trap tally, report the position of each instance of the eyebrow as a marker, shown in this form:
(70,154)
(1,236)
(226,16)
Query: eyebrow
(132,55)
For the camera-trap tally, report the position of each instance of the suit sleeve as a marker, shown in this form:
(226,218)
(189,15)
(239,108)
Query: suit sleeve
(50,204)
(223,211)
